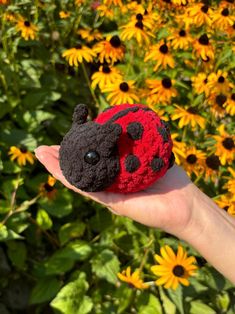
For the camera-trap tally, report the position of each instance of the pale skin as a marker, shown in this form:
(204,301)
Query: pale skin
(173,204)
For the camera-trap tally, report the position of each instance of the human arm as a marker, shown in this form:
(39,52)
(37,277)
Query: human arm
(173,204)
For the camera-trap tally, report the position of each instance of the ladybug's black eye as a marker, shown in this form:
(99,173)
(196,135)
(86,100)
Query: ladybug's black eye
(92,157)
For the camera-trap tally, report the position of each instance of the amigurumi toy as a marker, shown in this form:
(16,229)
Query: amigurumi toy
(125,149)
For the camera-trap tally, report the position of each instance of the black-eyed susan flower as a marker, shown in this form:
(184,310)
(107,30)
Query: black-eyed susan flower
(199,83)
(64,14)
(180,39)
(105,11)
(203,48)
(161,54)
(173,269)
(160,90)
(189,117)
(138,31)
(225,146)
(113,2)
(218,103)
(28,29)
(21,155)
(178,149)
(110,50)
(212,166)
(194,161)
(199,14)
(79,2)
(47,189)
(230,184)
(9,17)
(90,34)
(76,55)
(230,105)
(106,76)
(121,92)
(133,279)
(226,202)
(223,18)
(180,2)
(218,82)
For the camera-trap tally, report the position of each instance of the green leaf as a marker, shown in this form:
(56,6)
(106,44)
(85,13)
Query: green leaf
(168,306)
(33,119)
(72,299)
(17,253)
(45,290)
(197,307)
(4,207)
(148,303)
(124,294)
(43,219)
(176,297)
(11,167)
(8,234)
(106,266)
(71,230)
(16,137)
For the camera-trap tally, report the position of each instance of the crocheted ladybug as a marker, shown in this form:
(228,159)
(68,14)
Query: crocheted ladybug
(125,149)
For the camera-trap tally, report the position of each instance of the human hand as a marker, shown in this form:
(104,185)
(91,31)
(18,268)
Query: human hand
(167,204)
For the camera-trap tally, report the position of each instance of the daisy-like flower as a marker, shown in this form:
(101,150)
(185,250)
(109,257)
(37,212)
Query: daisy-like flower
(74,56)
(218,82)
(199,14)
(136,30)
(218,104)
(79,2)
(9,17)
(225,146)
(47,189)
(104,10)
(28,29)
(180,39)
(173,269)
(21,155)
(110,50)
(121,92)
(64,15)
(222,18)
(212,165)
(113,2)
(194,161)
(180,2)
(90,34)
(161,54)
(133,279)
(230,184)
(106,76)
(178,149)
(199,83)
(230,105)
(188,116)
(227,202)
(203,48)
(160,90)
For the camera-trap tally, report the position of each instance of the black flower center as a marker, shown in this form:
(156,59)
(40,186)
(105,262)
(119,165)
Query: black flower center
(228,143)
(115,41)
(234,25)
(139,17)
(92,157)
(225,12)
(226,208)
(178,271)
(27,23)
(221,79)
(139,24)
(191,159)
(124,87)
(213,162)
(206,60)
(78,46)
(166,82)
(106,69)
(205,81)
(182,33)
(192,110)
(167,1)
(220,99)
(163,49)
(48,187)
(233,96)
(23,149)
(204,40)
(204,8)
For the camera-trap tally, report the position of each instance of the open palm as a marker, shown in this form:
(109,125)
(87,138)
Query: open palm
(166,204)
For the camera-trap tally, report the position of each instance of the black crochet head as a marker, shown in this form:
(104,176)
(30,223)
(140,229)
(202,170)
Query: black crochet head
(89,154)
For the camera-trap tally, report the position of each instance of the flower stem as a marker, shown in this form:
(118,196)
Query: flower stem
(89,85)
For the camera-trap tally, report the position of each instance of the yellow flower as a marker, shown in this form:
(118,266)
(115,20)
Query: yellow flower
(227,202)
(79,2)
(223,18)
(212,165)
(230,184)
(105,11)
(161,91)
(106,76)
(121,92)
(9,17)
(225,146)
(218,104)
(74,56)
(4,1)
(113,2)
(199,14)
(194,161)
(180,39)
(178,148)
(132,279)
(22,155)
(203,48)
(199,83)
(218,82)
(230,105)
(28,30)
(64,15)
(47,189)
(173,269)
(160,53)
(90,34)
(188,116)
(110,50)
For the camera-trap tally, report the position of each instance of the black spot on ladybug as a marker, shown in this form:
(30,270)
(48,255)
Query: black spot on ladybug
(166,125)
(132,163)
(123,113)
(146,109)
(172,160)
(156,164)
(163,133)
(135,130)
